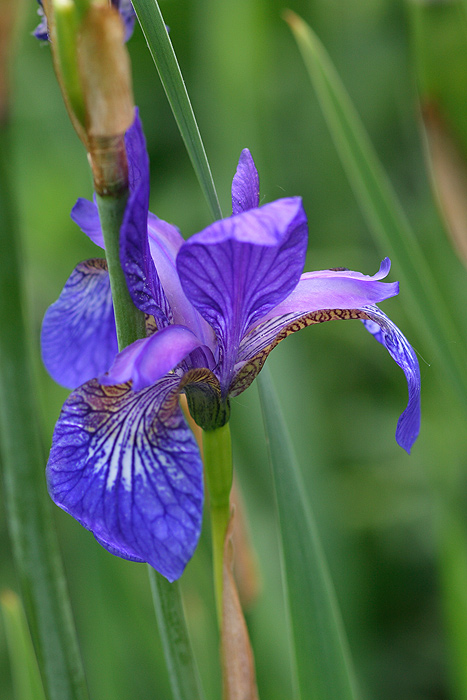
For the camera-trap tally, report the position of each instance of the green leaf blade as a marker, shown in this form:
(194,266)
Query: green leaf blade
(24,669)
(28,507)
(183,673)
(162,52)
(382,210)
(322,659)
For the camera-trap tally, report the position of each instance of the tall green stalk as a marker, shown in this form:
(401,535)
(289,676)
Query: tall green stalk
(183,672)
(32,532)
(217,456)
(130,322)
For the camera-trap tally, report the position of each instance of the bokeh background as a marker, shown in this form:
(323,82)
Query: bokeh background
(377,508)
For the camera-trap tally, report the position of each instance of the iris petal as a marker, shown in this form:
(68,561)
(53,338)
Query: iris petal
(140,273)
(236,270)
(86,215)
(147,360)
(257,345)
(336,289)
(127,14)
(118,551)
(245,185)
(397,345)
(137,155)
(127,467)
(165,241)
(78,337)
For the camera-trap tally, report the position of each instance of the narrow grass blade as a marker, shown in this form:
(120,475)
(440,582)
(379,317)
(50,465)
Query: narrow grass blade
(452,553)
(183,673)
(24,670)
(28,506)
(323,664)
(160,46)
(382,210)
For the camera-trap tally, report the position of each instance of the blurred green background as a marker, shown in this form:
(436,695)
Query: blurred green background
(377,508)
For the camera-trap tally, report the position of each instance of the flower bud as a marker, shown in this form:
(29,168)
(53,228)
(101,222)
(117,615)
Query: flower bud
(105,73)
(104,68)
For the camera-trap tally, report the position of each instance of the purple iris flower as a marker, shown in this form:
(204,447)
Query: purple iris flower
(123,461)
(125,8)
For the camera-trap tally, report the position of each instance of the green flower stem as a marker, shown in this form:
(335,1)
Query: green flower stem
(130,321)
(217,454)
(131,326)
(28,507)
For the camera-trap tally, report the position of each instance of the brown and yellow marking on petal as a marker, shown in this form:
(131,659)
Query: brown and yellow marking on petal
(252,367)
(151,325)
(98,263)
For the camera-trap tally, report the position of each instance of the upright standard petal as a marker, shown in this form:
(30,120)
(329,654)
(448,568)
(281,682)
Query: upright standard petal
(137,155)
(78,337)
(245,185)
(127,467)
(236,270)
(137,264)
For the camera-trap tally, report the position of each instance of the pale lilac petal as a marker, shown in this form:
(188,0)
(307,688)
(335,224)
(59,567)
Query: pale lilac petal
(336,289)
(397,345)
(85,214)
(238,269)
(127,467)
(245,185)
(165,241)
(147,360)
(78,337)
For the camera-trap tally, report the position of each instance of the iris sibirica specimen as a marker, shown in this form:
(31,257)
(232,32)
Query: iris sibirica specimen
(123,460)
